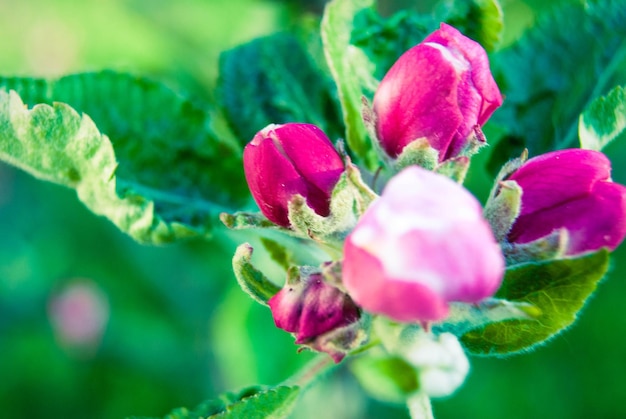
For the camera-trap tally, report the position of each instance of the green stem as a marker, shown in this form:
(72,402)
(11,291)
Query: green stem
(368,346)
(311,371)
(420,407)
(320,365)
(600,87)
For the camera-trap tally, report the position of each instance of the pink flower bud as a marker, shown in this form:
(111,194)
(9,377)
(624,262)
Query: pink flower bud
(441,89)
(284,160)
(422,244)
(570,189)
(309,307)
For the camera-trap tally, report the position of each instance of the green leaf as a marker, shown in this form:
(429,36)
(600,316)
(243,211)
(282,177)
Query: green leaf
(56,144)
(272,80)
(387,378)
(149,175)
(251,280)
(254,402)
(384,40)
(272,403)
(480,20)
(464,317)
(569,58)
(352,71)
(558,289)
(604,120)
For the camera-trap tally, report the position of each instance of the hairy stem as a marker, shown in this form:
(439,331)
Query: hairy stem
(311,371)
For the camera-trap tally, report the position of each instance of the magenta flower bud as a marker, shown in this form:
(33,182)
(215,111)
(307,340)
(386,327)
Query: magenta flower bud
(309,307)
(284,160)
(570,189)
(422,244)
(441,89)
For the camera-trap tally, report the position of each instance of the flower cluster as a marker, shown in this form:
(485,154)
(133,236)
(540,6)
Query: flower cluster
(425,242)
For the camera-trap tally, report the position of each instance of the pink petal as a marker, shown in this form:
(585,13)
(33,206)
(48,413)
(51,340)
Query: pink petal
(553,178)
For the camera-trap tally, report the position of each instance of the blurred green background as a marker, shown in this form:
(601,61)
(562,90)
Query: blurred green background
(168,325)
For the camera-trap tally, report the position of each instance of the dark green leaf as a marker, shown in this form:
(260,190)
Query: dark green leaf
(387,378)
(272,80)
(604,120)
(352,71)
(254,402)
(166,174)
(384,40)
(480,20)
(557,288)
(251,280)
(569,58)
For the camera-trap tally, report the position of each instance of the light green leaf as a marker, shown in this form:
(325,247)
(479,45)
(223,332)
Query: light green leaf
(558,289)
(386,377)
(254,402)
(480,20)
(251,280)
(272,80)
(352,71)
(56,144)
(569,58)
(604,120)
(149,174)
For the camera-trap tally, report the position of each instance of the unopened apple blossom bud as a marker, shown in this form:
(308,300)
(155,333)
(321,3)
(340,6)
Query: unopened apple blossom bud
(292,159)
(422,244)
(441,363)
(440,90)
(571,190)
(310,307)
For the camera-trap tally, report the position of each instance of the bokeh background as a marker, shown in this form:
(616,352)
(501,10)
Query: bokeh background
(164,327)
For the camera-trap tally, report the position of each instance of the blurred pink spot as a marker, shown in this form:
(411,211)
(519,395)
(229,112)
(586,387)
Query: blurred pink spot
(79,314)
